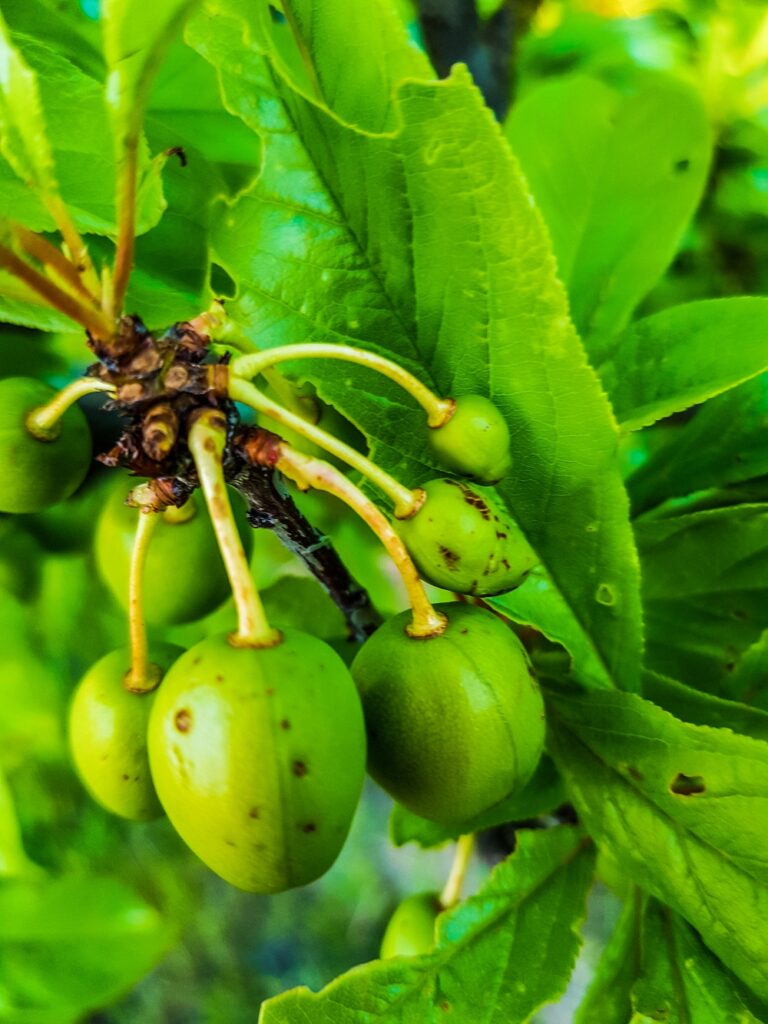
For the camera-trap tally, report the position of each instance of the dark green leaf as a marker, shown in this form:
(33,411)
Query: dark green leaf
(440,261)
(72,945)
(705,590)
(723,444)
(499,955)
(748,681)
(705,709)
(544,793)
(617,171)
(683,356)
(539,604)
(682,808)
(656,968)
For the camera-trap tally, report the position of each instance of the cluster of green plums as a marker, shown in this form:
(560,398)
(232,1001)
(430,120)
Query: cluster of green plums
(258,755)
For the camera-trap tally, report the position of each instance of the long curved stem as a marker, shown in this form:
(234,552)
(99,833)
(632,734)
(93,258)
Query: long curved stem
(438,410)
(451,893)
(43,421)
(207,439)
(143,675)
(406,502)
(309,472)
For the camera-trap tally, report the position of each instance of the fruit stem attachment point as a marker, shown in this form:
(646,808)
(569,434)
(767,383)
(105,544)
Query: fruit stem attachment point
(406,502)
(43,422)
(207,439)
(310,472)
(451,893)
(438,410)
(143,676)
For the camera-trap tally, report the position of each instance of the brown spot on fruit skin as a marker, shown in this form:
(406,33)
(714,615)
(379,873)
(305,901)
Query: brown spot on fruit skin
(476,502)
(299,769)
(285,724)
(125,777)
(450,558)
(183,720)
(269,691)
(253,813)
(219,679)
(310,827)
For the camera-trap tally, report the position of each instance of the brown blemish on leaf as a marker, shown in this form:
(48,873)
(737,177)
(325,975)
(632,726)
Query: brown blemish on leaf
(183,720)
(687,785)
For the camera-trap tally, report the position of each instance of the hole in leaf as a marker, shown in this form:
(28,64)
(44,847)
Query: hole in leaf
(687,785)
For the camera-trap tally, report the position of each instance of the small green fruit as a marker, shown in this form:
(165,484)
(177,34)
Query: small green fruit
(411,929)
(108,735)
(475,440)
(184,575)
(460,541)
(258,756)
(33,473)
(455,722)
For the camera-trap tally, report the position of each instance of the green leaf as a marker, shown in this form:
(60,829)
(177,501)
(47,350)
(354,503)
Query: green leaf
(704,708)
(617,170)
(682,808)
(499,955)
(655,968)
(429,262)
(748,681)
(13,859)
(79,160)
(723,444)
(329,35)
(705,590)
(73,945)
(539,604)
(685,355)
(23,132)
(544,793)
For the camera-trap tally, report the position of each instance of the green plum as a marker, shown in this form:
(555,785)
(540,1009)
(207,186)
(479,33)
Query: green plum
(184,575)
(455,722)
(258,756)
(474,441)
(108,735)
(461,541)
(411,929)
(36,473)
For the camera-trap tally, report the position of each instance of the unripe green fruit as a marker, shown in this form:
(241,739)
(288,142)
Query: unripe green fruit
(184,575)
(475,440)
(108,735)
(258,756)
(460,541)
(455,722)
(411,929)
(35,473)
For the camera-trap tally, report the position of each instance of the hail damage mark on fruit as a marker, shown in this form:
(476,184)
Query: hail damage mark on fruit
(687,785)
(183,720)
